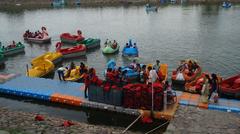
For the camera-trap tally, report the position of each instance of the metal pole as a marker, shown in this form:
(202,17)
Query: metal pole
(164,100)
(27,70)
(152,97)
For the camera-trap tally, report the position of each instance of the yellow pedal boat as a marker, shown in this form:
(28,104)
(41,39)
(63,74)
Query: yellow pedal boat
(54,57)
(40,68)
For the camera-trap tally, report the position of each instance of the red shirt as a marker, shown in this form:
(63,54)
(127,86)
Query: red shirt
(86,80)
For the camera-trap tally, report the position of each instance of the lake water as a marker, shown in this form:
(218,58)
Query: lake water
(209,34)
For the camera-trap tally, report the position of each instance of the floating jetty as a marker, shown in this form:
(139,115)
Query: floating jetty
(72,93)
(226,105)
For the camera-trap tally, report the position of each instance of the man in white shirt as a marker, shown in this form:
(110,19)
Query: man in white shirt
(61,71)
(152,75)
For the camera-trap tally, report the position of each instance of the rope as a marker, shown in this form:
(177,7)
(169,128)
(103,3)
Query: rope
(132,124)
(157,128)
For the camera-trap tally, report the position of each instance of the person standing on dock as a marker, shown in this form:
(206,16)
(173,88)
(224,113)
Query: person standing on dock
(87,80)
(61,71)
(152,75)
(205,89)
(214,86)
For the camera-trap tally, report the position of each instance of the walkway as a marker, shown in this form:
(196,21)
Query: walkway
(190,120)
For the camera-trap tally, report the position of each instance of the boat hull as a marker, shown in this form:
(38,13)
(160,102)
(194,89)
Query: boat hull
(38,41)
(13,52)
(110,50)
(94,43)
(76,54)
(130,52)
(230,87)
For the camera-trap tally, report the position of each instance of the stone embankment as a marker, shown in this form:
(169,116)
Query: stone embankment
(190,120)
(24,123)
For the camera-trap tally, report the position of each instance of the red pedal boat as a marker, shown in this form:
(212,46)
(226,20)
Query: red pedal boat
(72,39)
(76,51)
(231,86)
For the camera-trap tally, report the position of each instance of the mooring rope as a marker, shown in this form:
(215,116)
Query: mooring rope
(157,128)
(132,124)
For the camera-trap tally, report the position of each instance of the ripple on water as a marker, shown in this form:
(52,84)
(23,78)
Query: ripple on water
(208,34)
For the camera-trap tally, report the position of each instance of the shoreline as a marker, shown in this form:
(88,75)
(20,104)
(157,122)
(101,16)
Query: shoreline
(23,122)
(190,119)
(96,3)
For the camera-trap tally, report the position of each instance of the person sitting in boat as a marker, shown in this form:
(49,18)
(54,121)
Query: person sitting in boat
(114,45)
(79,32)
(180,75)
(135,45)
(44,32)
(133,65)
(183,65)
(190,66)
(12,45)
(38,35)
(35,35)
(106,42)
(195,66)
(127,45)
(26,34)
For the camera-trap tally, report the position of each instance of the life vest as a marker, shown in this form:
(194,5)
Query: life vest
(110,76)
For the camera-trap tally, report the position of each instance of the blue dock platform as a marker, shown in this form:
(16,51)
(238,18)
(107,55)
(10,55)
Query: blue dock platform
(72,93)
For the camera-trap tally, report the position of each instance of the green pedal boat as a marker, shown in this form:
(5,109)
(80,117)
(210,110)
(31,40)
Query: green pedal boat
(12,49)
(91,43)
(2,59)
(110,48)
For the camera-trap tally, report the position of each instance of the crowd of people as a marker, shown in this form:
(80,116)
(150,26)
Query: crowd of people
(86,75)
(37,34)
(145,74)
